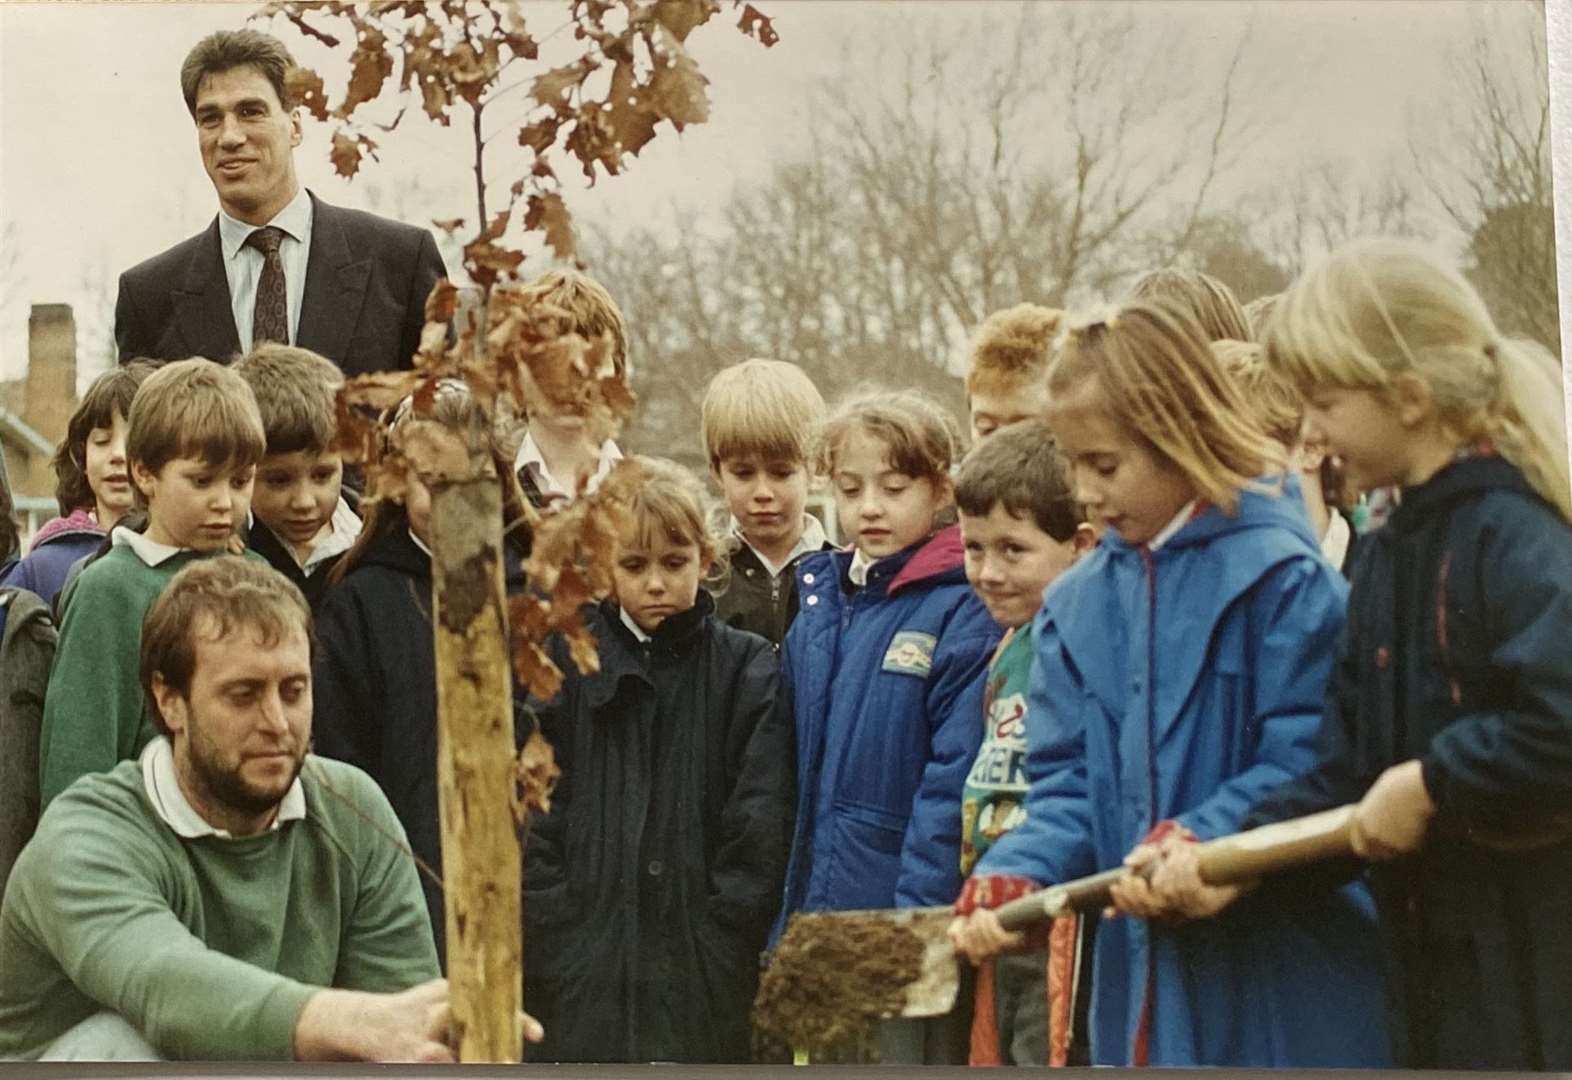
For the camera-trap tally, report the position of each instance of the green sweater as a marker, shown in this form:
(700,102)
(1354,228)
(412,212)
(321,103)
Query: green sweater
(95,713)
(209,947)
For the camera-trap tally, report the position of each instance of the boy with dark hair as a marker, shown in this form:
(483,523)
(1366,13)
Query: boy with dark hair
(1022,529)
(195,438)
(301,524)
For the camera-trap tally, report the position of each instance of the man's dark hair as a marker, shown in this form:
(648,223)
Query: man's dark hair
(228,49)
(225,592)
(1018,467)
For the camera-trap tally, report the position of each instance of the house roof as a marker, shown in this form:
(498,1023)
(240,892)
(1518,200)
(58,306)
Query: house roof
(14,426)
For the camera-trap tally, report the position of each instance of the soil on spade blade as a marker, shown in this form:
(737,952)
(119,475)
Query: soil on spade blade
(831,977)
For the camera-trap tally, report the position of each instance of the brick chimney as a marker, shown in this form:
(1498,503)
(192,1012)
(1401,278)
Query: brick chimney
(51,380)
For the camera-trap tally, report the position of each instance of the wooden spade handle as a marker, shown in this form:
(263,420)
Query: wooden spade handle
(1225,861)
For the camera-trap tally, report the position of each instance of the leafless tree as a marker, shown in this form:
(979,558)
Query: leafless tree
(1487,165)
(946,178)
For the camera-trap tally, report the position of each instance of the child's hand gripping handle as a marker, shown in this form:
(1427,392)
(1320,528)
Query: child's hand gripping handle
(1224,861)
(1230,860)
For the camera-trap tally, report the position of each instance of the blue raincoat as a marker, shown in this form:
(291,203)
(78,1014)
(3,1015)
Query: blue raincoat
(887,684)
(1181,685)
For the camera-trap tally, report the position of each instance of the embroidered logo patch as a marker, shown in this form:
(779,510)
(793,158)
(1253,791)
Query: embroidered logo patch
(910,653)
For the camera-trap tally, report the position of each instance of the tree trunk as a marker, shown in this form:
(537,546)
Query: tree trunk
(475,753)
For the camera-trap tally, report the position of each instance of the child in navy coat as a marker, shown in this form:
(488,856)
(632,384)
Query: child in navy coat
(1450,720)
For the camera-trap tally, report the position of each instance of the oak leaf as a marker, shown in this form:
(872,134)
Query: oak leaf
(536,772)
(681,16)
(756,24)
(345,154)
(631,118)
(551,89)
(549,213)
(372,66)
(677,86)
(304,87)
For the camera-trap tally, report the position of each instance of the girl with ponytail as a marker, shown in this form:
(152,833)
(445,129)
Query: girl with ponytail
(1449,719)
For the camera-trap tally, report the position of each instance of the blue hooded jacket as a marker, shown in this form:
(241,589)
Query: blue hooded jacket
(887,685)
(1181,685)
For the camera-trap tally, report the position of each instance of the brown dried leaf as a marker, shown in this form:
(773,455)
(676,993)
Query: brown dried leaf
(552,88)
(535,670)
(549,213)
(345,154)
(677,87)
(539,137)
(680,17)
(756,24)
(632,117)
(372,65)
(449,225)
(305,88)
(570,593)
(581,647)
(300,24)
(442,303)
(537,773)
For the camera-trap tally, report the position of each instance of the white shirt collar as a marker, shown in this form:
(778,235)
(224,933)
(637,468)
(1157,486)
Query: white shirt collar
(812,539)
(1166,533)
(418,543)
(627,620)
(176,811)
(148,550)
(860,565)
(344,527)
(1334,542)
(294,219)
(529,457)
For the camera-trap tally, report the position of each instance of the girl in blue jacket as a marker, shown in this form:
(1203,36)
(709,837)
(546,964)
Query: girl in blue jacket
(1450,720)
(1180,673)
(885,663)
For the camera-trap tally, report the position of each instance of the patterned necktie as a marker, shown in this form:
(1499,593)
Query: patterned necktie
(270,318)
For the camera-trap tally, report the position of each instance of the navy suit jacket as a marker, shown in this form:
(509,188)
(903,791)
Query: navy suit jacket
(367,279)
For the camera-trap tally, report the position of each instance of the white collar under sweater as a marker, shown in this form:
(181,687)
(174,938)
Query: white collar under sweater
(176,811)
(148,550)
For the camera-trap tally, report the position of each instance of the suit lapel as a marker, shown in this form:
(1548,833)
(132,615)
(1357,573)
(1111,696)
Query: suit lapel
(203,310)
(335,286)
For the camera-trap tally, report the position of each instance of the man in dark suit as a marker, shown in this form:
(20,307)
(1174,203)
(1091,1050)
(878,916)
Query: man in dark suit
(277,263)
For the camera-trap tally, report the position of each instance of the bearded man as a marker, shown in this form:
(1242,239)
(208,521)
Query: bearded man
(228,894)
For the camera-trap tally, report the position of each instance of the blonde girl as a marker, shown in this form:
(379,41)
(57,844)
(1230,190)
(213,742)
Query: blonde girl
(652,881)
(1451,717)
(1179,675)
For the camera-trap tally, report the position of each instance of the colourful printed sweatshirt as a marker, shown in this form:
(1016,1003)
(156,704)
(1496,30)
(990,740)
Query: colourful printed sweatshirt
(994,799)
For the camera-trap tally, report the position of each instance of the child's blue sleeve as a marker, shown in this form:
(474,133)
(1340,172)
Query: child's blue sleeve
(1510,767)
(931,851)
(1054,843)
(1296,614)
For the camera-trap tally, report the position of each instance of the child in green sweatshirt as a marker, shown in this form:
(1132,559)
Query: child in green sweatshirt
(194,442)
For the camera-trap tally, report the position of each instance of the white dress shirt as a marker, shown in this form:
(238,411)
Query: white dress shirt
(530,459)
(243,265)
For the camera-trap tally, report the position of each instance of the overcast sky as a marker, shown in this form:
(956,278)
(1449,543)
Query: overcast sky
(99,166)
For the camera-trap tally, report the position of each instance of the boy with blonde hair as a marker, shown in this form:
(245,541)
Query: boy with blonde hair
(1004,378)
(557,457)
(301,524)
(759,419)
(194,441)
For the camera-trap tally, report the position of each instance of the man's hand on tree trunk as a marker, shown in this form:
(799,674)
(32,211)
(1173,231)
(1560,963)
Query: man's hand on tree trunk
(413,1025)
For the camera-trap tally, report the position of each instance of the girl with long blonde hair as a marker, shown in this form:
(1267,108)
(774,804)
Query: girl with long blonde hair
(1450,721)
(1179,676)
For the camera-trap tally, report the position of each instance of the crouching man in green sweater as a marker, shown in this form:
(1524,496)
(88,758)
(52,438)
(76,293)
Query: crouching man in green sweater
(226,895)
